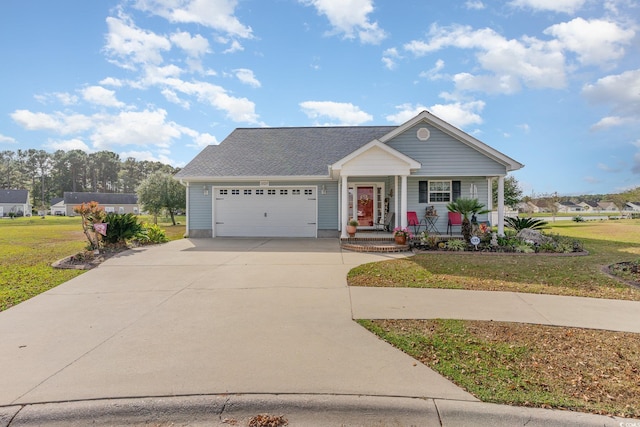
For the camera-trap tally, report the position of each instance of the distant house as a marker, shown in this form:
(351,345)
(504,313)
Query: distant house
(57,206)
(111,202)
(568,207)
(14,203)
(537,207)
(589,206)
(607,207)
(632,207)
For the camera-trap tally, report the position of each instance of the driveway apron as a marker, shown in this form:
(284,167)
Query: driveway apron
(206,316)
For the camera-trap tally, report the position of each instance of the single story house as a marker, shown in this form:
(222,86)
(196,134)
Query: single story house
(309,181)
(607,207)
(14,202)
(537,206)
(568,207)
(112,202)
(57,206)
(632,207)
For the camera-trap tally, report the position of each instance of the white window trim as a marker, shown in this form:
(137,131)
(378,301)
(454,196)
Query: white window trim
(429,192)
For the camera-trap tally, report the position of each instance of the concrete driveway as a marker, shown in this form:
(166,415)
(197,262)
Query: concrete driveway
(206,316)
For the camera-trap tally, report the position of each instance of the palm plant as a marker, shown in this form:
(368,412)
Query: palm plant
(467,207)
(522,223)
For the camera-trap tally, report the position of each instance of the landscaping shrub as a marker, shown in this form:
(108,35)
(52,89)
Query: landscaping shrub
(154,234)
(121,228)
(518,223)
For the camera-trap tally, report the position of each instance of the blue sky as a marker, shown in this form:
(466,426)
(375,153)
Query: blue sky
(554,84)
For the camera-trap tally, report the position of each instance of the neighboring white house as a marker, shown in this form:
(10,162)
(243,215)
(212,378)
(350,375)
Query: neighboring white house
(568,207)
(111,202)
(14,203)
(632,207)
(537,207)
(309,181)
(607,207)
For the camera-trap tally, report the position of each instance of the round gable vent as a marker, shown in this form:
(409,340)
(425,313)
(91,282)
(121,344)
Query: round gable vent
(423,134)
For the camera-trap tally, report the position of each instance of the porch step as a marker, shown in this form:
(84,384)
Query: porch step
(377,245)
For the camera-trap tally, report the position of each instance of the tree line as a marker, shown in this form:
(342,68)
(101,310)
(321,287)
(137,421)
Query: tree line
(48,175)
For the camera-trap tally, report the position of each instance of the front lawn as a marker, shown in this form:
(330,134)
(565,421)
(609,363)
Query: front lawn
(520,364)
(526,365)
(608,242)
(29,245)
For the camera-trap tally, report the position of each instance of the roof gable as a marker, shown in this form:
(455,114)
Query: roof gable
(465,138)
(375,158)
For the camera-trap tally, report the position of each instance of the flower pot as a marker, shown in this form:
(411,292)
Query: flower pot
(351,230)
(401,239)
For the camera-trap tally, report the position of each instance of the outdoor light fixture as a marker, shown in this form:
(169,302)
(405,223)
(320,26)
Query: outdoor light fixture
(323,189)
(205,190)
(391,193)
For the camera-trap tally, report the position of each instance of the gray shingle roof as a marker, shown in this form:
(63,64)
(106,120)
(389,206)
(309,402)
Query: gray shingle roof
(305,151)
(71,198)
(14,196)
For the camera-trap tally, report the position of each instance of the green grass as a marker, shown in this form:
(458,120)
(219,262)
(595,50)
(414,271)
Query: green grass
(28,247)
(607,242)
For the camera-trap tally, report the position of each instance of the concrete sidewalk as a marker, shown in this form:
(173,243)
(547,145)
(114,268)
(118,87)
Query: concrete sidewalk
(413,303)
(263,323)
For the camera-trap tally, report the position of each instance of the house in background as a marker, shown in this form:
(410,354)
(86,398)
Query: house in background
(632,207)
(57,206)
(568,207)
(111,202)
(607,207)
(589,206)
(537,206)
(309,181)
(14,203)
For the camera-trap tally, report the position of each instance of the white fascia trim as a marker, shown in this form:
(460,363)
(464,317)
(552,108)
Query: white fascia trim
(413,164)
(460,135)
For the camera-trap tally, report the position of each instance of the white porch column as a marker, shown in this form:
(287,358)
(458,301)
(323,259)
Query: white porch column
(490,195)
(395,201)
(403,202)
(501,205)
(345,207)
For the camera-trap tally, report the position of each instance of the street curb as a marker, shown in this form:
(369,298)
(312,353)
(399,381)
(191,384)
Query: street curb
(298,410)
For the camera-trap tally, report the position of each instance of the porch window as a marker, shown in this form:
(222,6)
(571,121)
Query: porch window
(438,191)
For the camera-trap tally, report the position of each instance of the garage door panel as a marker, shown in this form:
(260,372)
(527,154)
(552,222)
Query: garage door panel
(266,212)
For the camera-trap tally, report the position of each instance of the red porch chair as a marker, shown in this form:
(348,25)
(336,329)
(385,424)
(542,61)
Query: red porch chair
(455,220)
(413,221)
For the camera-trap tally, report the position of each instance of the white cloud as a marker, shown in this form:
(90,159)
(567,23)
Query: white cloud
(215,14)
(111,81)
(351,18)
(68,145)
(344,114)
(510,63)
(474,4)
(64,98)
(130,45)
(621,92)
(595,41)
(246,76)
(434,73)
(389,56)
(101,96)
(7,139)
(141,128)
(565,6)
(524,127)
(57,122)
(459,114)
(173,97)
(195,46)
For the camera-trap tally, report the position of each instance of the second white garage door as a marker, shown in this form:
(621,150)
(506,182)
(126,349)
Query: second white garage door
(265,211)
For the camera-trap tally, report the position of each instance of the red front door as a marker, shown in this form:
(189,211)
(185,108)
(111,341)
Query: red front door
(365,206)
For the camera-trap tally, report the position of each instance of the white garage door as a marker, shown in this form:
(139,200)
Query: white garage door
(265,211)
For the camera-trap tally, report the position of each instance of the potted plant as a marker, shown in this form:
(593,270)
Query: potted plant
(467,207)
(401,235)
(352,227)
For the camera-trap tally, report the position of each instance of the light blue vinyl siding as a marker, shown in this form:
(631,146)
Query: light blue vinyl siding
(199,209)
(444,155)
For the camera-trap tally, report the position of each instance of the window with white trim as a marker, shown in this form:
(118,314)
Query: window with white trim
(284,192)
(235,192)
(308,192)
(223,192)
(259,192)
(295,192)
(271,192)
(439,191)
(247,192)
